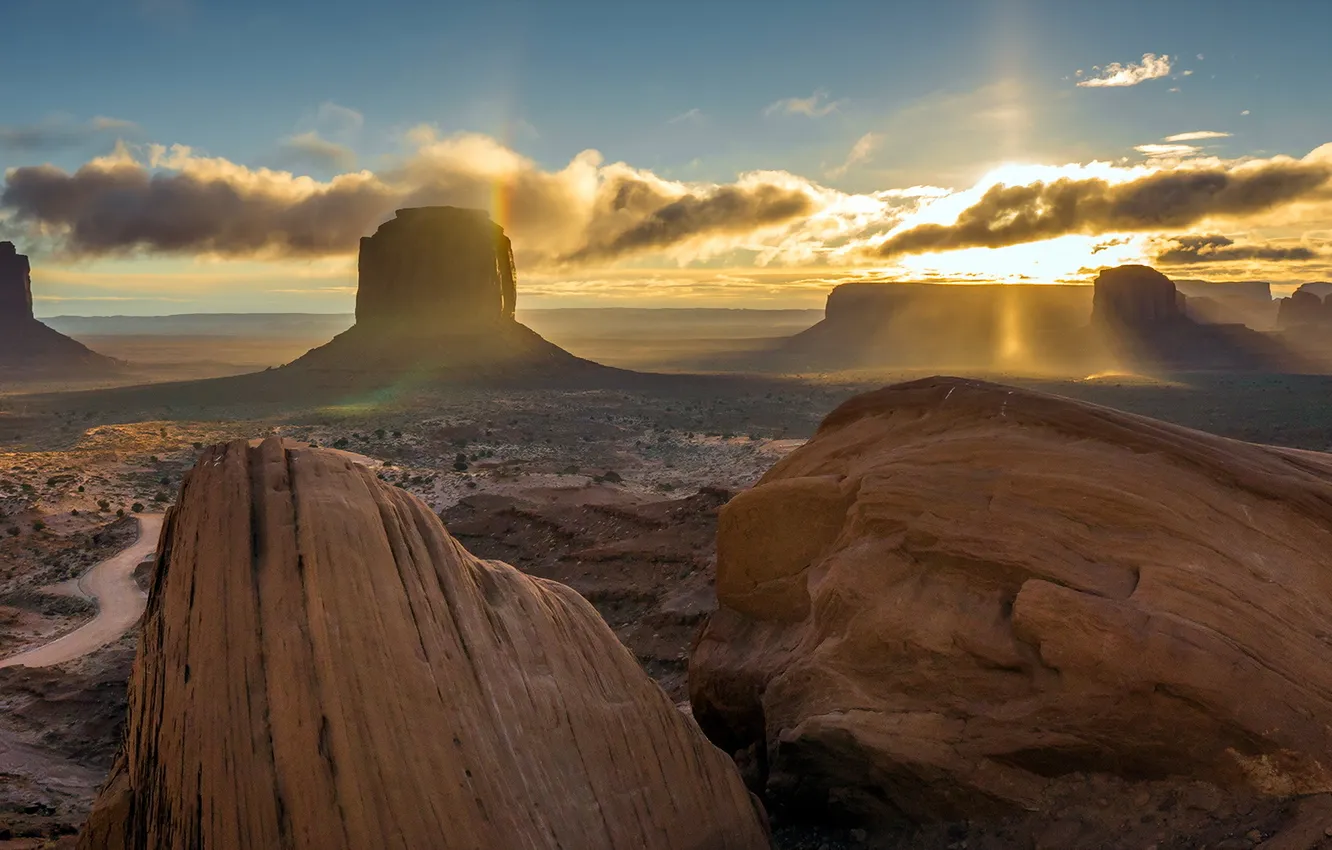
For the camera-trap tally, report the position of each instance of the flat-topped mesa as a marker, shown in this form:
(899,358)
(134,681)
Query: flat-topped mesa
(1135,296)
(15,285)
(436,269)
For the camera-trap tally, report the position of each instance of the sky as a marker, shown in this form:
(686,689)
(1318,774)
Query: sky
(171,156)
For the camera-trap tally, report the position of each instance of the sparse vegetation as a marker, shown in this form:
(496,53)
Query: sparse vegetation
(137,507)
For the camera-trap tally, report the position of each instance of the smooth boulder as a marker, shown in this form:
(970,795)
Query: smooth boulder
(958,594)
(323,666)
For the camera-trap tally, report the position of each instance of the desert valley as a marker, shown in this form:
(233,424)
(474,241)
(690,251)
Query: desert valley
(603,426)
(837,465)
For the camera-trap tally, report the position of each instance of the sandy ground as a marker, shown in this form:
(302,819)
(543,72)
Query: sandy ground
(120,603)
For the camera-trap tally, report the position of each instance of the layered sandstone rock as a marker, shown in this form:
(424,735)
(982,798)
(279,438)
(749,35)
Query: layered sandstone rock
(1134,297)
(959,594)
(435,300)
(323,666)
(29,350)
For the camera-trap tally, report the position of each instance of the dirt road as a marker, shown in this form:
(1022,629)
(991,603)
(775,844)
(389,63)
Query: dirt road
(119,603)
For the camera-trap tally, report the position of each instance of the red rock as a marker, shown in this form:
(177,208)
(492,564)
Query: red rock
(1135,296)
(957,593)
(28,348)
(323,666)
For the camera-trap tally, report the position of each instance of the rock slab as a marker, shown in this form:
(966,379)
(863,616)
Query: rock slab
(323,666)
(958,593)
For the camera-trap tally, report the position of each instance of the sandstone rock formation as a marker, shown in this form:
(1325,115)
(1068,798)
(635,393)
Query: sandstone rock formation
(957,326)
(443,268)
(1143,320)
(957,595)
(29,349)
(1304,308)
(435,301)
(15,286)
(1245,302)
(1135,296)
(323,666)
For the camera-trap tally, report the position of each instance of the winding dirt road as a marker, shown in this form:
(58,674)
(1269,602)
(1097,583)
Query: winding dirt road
(119,603)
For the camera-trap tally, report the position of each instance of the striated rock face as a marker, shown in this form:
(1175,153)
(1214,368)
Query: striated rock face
(1133,297)
(959,594)
(323,666)
(438,268)
(15,286)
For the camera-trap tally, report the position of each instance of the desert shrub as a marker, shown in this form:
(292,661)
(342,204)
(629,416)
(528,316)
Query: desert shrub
(38,525)
(197,445)
(74,512)
(341,443)
(380,433)
(103,505)
(80,488)
(137,507)
(160,497)
(460,462)
(397,433)
(153,459)
(13,531)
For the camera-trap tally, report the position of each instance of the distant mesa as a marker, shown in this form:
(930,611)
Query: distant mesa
(1135,297)
(941,326)
(435,298)
(1142,319)
(1307,308)
(29,349)
(1131,316)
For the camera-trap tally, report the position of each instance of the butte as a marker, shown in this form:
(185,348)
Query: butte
(29,350)
(435,302)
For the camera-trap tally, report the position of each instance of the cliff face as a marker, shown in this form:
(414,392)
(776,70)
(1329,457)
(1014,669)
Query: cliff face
(942,326)
(15,286)
(29,350)
(435,300)
(1135,297)
(1305,308)
(322,667)
(441,269)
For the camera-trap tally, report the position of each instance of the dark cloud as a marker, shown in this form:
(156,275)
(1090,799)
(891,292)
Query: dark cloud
(1215,248)
(177,202)
(660,220)
(117,206)
(59,134)
(1009,215)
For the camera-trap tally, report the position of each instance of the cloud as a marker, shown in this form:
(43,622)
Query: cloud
(315,151)
(1215,248)
(816,105)
(62,133)
(693,116)
(1196,136)
(1115,75)
(861,152)
(1244,112)
(1171,151)
(335,117)
(1158,200)
(174,201)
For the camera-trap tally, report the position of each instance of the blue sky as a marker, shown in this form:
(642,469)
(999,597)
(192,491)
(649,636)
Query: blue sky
(693,92)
